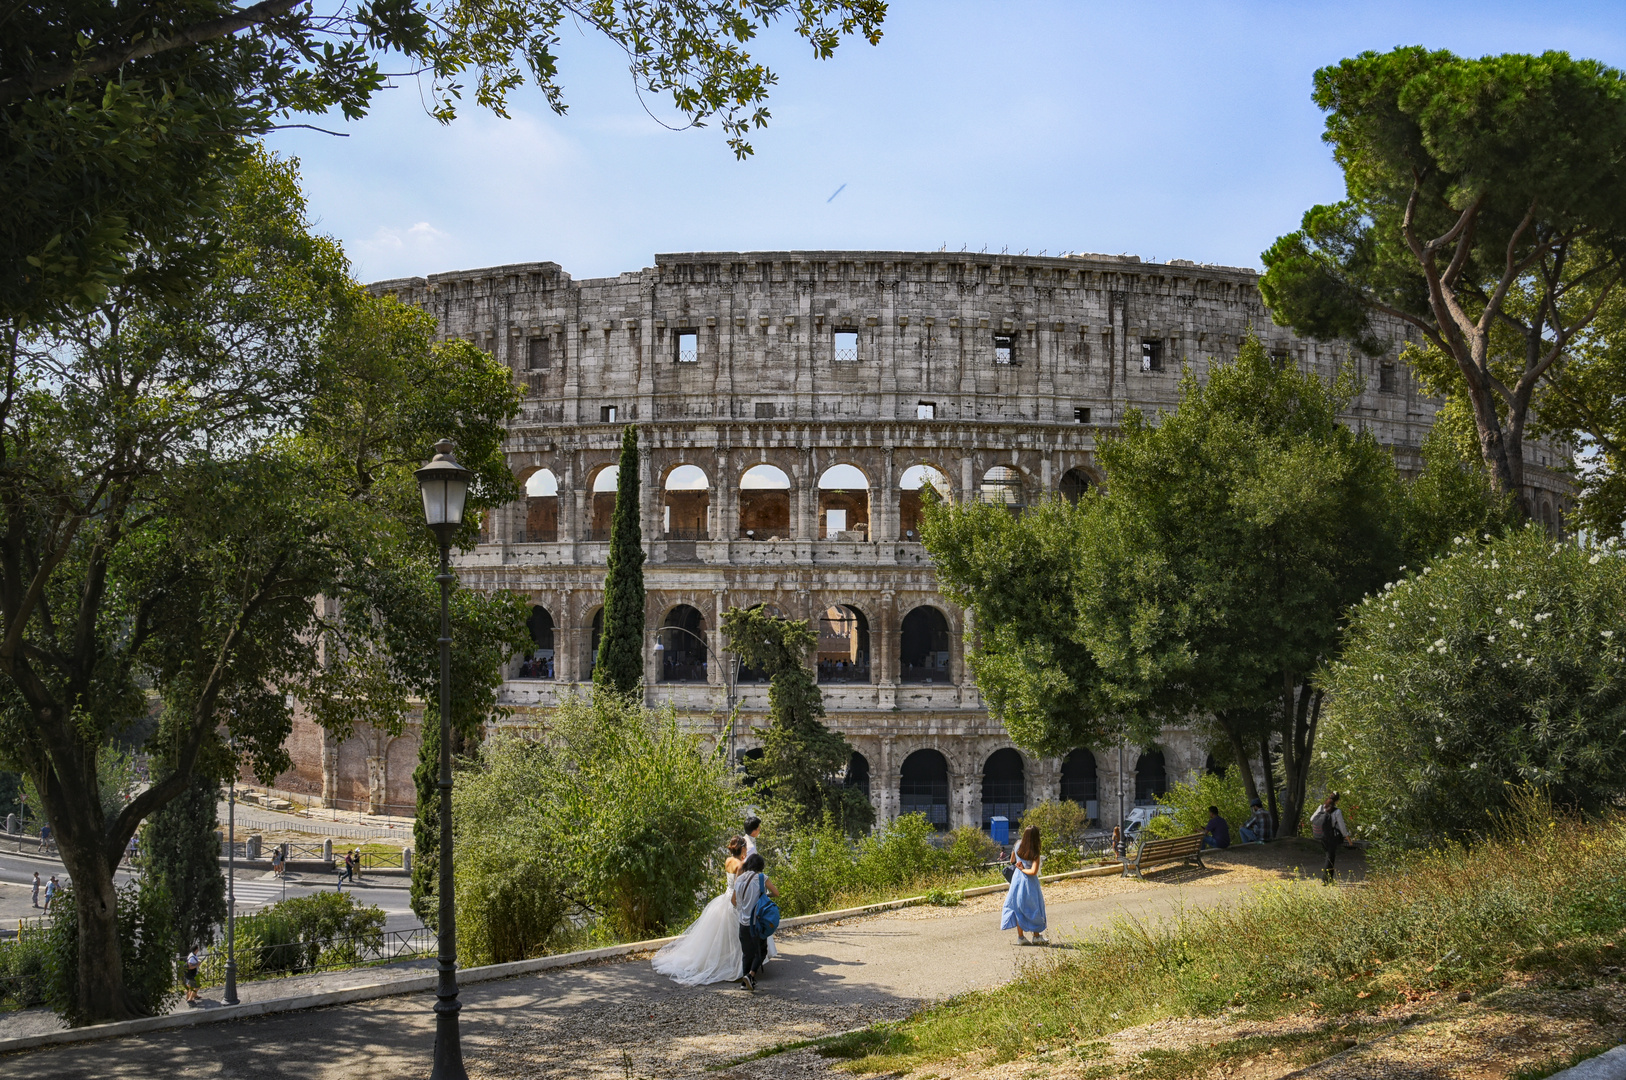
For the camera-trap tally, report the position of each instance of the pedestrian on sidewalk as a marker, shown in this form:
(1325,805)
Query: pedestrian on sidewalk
(38,884)
(51,889)
(347,873)
(278,862)
(1327,825)
(748,889)
(190,978)
(1024,900)
(355,861)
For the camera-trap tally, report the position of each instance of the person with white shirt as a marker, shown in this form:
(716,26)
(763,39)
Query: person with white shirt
(753,827)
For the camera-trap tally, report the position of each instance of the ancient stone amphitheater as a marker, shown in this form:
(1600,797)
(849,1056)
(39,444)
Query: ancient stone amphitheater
(790,406)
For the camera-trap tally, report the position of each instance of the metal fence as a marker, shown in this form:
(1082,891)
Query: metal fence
(281,960)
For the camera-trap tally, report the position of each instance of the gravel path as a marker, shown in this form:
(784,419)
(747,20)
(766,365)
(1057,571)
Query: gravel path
(618,1019)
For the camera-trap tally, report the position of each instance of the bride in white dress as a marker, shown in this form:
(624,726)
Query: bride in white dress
(709,950)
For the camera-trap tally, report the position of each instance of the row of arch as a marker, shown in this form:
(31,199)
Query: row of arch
(923,783)
(765,500)
(843,653)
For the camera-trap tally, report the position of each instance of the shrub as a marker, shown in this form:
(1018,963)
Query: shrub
(294,935)
(510,906)
(147,947)
(943,897)
(1062,825)
(1498,666)
(1190,802)
(23,971)
(811,868)
(970,850)
(900,853)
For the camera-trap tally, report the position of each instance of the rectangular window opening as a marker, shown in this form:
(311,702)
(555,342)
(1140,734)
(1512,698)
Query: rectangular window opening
(1151,356)
(846,346)
(537,356)
(688,347)
(834,521)
(1081,414)
(1280,358)
(1386,378)
(1004,348)
(766,410)
(926,410)
(607,414)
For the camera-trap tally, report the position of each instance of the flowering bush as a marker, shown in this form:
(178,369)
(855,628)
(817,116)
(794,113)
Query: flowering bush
(1498,666)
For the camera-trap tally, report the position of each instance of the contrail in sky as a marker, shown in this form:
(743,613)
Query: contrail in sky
(838,191)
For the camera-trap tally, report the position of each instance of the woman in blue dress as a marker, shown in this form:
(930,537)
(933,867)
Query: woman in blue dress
(1024,902)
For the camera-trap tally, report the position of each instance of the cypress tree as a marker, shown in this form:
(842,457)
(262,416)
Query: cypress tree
(801,757)
(620,663)
(181,853)
(426,824)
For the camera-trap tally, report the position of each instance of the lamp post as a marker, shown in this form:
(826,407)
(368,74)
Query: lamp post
(230,997)
(444,485)
(731,675)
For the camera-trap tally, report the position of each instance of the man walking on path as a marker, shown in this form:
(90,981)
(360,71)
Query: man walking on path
(50,893)
(37,884)
(748,889)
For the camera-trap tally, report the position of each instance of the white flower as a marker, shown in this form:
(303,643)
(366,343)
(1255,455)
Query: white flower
(1473,765)
(1492,638)
(1594,560)
(1608,633)
(1498,611)
(1440,644)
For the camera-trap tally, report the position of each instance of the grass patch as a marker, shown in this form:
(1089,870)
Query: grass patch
(1549,897)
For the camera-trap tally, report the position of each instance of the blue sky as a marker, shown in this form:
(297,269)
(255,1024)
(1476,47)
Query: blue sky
(1166,130)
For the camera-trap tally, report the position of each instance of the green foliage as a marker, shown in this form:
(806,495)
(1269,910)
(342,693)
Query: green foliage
(424,888)
(619,667)
(1445,920)
(616,814)
(180,850)
(147,948)
(943,897)
(823,867)
(970,849)
(1496,665)
(24,970)
(1062,825)
(1019,578)
(305,932)
(1484,208)
(1190,802)
(1452,496)
(802,759)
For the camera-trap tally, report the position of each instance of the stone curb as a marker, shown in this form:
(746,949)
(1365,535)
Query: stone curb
(418,984)
(1609,1065)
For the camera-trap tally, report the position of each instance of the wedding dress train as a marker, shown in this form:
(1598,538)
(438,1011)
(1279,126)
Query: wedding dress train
(709,950)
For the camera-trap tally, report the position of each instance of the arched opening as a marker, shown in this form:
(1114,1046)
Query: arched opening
(681,646)
(1004,792)
(604,487)
(592,648)
(843,504)
(1547,521)
(911,492)
(923,787)
(1075,483)
(1002,486)
(843,645)
(541,508)
(764,503)
(1079,783)
(1151,778)
(538,664)
(857,773)
(923,648)
(687,504)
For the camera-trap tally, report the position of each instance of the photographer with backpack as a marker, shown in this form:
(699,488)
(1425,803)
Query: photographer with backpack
(753,900)
(1327,826)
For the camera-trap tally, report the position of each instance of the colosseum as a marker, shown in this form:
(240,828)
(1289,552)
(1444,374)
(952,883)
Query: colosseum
(791,405)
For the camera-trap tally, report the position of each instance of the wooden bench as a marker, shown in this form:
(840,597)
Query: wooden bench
(1154,852)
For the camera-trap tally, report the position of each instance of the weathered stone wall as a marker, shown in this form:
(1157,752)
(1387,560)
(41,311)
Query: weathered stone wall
(964,363)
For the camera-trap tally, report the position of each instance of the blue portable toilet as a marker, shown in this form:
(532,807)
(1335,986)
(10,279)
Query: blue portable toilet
(999,829)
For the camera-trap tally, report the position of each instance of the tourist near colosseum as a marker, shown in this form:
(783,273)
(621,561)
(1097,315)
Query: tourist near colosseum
(791,406)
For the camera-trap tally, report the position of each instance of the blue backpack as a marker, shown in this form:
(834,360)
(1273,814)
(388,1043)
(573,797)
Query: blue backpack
(765,916)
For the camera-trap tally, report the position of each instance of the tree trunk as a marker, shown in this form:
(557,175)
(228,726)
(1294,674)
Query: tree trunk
(1501,445)
(1240,752)
(102,995)
(1298,748)
(1270,785)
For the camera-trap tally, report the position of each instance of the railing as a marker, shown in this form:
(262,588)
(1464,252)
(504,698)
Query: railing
(911,674)
(842,672)
(283,959)
(687,534)
(595,535)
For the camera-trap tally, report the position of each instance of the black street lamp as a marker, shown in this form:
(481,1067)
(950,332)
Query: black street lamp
(445,487)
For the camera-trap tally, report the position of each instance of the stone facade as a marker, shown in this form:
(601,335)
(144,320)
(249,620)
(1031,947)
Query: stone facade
(843,373)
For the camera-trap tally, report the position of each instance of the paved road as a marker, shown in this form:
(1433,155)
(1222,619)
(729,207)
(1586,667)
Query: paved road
(621,1019)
